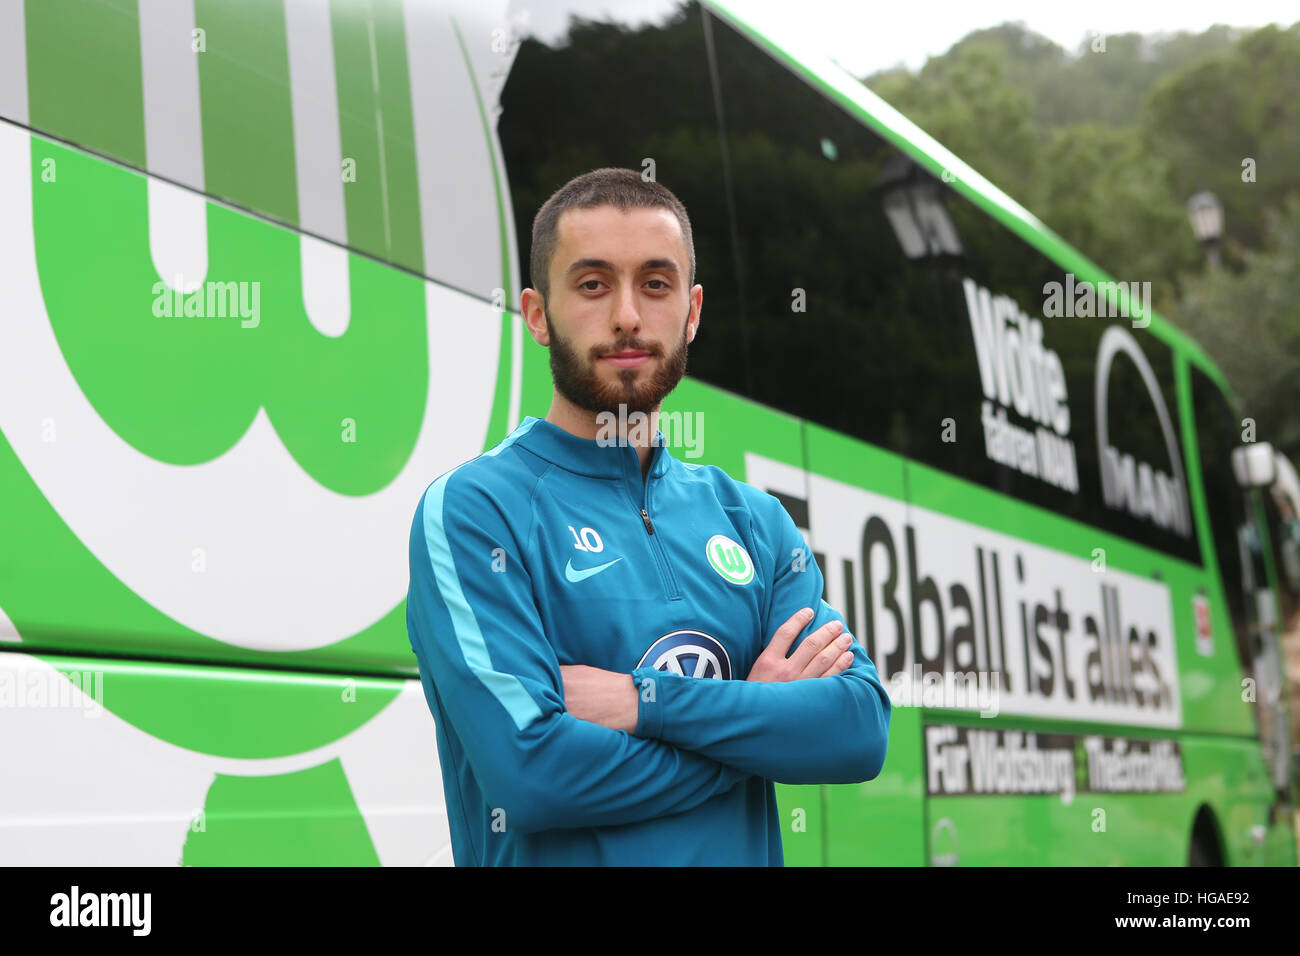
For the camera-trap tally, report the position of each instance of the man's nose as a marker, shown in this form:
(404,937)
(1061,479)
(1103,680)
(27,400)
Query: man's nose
(626,315)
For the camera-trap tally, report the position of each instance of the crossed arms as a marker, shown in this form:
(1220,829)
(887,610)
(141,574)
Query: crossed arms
(612,699)
(560,746)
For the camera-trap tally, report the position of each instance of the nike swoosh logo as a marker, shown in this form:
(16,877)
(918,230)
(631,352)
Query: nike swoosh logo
(575,575)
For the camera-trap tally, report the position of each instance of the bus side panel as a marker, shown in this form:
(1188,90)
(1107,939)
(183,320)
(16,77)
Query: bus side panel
(879,821)
(211,476)
(1230,778)
(1093,828)
(883,822)
(252,771)
(803,824)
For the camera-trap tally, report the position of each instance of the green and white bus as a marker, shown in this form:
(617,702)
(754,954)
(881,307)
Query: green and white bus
(260,266)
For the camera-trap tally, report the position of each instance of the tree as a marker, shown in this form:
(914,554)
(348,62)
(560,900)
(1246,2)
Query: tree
(963,100)
(1249,321)
(1218,113)
(1108,196)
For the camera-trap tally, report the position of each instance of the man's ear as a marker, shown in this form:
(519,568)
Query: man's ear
(532,305)
(699,313)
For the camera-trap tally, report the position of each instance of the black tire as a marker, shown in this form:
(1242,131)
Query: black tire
(1198,855)
(1204,849)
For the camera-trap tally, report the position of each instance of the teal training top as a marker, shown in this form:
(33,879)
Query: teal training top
(549,550)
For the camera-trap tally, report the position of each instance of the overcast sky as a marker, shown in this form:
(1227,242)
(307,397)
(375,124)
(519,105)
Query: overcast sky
(869,35)
(866,36)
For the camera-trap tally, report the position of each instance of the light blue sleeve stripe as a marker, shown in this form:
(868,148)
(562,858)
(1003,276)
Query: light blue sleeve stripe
(506,688)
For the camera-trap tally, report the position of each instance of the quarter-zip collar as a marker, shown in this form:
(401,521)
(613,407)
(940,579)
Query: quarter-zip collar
(585,456)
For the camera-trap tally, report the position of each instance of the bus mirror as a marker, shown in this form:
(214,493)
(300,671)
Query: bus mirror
(1253,465)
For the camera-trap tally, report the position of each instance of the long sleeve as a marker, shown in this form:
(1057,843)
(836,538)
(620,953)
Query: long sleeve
(476,631)
(821,730)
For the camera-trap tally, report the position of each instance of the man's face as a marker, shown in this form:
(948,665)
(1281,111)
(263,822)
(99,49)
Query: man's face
(618,285)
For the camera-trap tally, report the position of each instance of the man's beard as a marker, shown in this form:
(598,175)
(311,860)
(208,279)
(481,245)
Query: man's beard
(578,381)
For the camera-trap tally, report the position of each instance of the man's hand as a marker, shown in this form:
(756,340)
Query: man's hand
(600,697)
(824,652)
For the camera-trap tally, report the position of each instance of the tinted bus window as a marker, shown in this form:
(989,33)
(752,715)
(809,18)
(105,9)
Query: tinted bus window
(1216,437)
(587,91)
(1284,537)
(883,304)
(837,314)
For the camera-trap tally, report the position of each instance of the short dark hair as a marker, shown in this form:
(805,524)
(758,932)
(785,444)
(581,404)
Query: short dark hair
(623,189)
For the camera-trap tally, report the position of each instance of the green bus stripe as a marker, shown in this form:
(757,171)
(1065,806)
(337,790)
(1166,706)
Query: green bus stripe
(501,422)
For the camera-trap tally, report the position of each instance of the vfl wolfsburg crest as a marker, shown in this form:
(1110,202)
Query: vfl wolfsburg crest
(729,559)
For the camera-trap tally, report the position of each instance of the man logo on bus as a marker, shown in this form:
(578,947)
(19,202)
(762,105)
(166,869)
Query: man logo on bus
(1129,484)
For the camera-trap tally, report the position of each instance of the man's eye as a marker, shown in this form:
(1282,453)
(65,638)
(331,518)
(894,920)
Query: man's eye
(661,282)
(587,283)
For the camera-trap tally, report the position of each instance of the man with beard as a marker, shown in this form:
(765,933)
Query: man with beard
(592,616)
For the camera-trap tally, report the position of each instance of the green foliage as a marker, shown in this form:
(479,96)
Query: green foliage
(1104,193)
(1087,85)
(1210,117)
(1249,322)
(1106,146)
(988,123)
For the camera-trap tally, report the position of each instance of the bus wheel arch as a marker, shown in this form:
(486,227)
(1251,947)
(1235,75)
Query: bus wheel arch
(1205,848)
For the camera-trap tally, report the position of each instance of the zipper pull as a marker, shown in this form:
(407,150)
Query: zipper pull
(646,518)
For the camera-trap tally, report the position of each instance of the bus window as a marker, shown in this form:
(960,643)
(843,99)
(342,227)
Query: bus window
(885,305)
(1216,437)
(1282,506)
(587,89)
(839,318)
